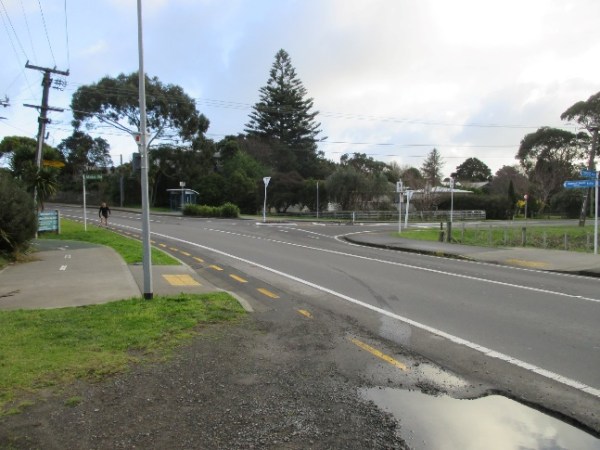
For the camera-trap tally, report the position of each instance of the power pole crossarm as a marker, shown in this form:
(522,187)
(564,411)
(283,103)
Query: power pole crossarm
(44,108)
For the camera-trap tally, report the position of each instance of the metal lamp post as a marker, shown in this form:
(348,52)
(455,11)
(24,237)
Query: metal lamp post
(266,181)
(451,199)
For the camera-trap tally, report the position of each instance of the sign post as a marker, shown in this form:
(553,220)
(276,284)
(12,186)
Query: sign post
(266,181)
(592,181)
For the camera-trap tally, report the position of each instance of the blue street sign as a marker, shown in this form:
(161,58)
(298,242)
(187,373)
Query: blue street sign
(579,184)
(588,173)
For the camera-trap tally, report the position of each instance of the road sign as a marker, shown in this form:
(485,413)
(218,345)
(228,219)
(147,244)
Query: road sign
(588,173)
(93,176)
(579,184)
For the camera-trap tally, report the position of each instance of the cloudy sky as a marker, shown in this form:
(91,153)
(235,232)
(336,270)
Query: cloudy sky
(391,78)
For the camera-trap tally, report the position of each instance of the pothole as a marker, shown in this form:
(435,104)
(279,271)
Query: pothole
(494,422)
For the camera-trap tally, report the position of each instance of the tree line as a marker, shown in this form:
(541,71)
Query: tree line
(280,140)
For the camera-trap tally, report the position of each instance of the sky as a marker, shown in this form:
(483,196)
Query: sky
(390,78)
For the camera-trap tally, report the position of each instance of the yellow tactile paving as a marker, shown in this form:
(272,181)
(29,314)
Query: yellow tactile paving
(181,280)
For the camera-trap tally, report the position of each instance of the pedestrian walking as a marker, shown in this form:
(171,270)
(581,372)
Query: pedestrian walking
(103,213)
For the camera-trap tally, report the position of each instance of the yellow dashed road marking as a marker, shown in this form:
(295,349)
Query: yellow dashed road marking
(198,259)
(163,245)
(380,355)
(181,280)
(267,293)
(305,313)
(240,279)
(174,249)
(216,268)
(185,253)
(152,242)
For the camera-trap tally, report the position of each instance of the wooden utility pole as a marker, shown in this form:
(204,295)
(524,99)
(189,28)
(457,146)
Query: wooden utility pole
(44,108)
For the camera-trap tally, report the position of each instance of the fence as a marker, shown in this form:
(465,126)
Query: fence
(391,216)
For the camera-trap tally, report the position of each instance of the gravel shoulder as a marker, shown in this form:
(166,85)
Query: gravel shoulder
(260,383)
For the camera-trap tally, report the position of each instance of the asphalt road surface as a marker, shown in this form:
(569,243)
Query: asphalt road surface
(533,335)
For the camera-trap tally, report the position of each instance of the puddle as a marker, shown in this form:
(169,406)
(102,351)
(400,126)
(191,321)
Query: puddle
(491,423)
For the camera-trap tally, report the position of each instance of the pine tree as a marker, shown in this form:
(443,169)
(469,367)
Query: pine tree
(283,117)
(432,167)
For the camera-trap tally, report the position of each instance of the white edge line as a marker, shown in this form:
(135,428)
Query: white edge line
(455,339)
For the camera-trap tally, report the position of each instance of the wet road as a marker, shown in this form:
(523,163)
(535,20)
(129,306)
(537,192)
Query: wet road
(542,323)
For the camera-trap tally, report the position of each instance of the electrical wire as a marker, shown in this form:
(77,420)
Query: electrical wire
(46,31)
(28,30)
(14,32)
(67,38)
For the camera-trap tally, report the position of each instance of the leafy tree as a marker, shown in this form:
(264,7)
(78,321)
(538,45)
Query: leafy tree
(411,177)
(81,152)
(285,190)
(345,186)
(548,157)
(171,113)
(504,177)
(363,163)
(586,114)
(284,119)
(21,150)
(432,168)
(18,221)
(472,169)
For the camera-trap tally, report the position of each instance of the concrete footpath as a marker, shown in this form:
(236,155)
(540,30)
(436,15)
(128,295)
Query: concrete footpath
(72,273)
(526,257)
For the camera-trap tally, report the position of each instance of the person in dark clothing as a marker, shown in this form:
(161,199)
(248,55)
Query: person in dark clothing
(103,213)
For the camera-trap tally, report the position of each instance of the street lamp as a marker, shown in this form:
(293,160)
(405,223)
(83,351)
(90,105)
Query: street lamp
(266,181)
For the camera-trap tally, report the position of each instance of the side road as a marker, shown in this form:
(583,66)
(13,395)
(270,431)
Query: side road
(525,257)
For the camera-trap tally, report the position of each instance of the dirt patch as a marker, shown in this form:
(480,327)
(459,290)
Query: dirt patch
(256,384)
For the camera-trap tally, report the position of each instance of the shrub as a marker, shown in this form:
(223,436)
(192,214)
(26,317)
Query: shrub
(230,210)
(226,210)
(17,215)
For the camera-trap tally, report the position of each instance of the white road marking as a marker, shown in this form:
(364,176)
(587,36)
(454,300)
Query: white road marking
(455,339)
(63,268)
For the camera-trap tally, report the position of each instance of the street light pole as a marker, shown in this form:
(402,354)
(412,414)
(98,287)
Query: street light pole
(147,254)
(451,199)
(266,181)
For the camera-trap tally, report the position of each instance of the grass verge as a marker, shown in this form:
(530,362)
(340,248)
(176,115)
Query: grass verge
(50,347)
(572,238)
(129,249)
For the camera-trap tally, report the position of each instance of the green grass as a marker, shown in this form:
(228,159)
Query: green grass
(44,348)
(129,249)
(577,238)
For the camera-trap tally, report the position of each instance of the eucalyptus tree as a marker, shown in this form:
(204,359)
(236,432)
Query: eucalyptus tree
(171,113)
(587,115)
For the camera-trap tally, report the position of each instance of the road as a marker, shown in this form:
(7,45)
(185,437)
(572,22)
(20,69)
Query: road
(533,335)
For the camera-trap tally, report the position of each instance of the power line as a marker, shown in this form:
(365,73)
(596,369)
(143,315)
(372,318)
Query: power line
(28,30)
(67,37)
(46,31)
(14,31)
